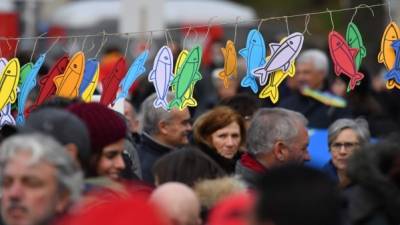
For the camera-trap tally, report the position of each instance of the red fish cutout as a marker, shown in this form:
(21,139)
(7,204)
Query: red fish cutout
(47,87)
(343,58)
(111,82)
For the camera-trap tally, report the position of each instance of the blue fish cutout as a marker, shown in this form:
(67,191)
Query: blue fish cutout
(6,117)
(26,87)
(135,70)
(395,72)
(254,53)
(91,66)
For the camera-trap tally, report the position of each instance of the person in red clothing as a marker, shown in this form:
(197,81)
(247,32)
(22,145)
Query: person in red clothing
(276,136)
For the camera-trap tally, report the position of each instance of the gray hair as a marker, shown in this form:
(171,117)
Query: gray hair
(44,148)
(271,124)
(315,56)
(359,126)
(151,116)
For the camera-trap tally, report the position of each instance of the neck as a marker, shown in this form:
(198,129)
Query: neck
(343,178)
(267,160)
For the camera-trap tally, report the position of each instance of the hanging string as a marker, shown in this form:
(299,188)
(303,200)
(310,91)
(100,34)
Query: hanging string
(16,48)
(259,25)
(306,22)
(202,26)
(208,27)
(83,43)
(236,25)
(166,38)
(127,46)
(52,45)
(287,25)
(103,42)
(149,41)
(330,15)
(355,12)
(389,11)
(184,39)
(172,41)
(34,46)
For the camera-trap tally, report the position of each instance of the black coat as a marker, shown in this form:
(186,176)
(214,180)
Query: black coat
(228,165)
(149,152)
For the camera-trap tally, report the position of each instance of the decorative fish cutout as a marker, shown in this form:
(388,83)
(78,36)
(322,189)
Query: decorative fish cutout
(325,97)
(343,58)
(161,75)
(67,84)
(387,55)
(276,78)
(135,70)
(354,40)
(27,86)
(111,82)
(46,83)
(3,63)
(88,93)
(91,66)
(281,56)
(190,101)
(395,72)
(6,117)
(187,75)
(25,70)
(254,53)
(230,63)
(8,82)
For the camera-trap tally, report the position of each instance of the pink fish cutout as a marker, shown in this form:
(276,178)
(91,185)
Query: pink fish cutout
(343,58)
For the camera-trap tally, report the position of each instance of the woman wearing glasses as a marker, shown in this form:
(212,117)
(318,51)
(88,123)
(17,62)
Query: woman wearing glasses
(345,136)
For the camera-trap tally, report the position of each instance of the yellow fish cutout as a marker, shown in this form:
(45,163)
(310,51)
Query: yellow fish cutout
(68,83)
(387,55)
(230,63)
(271,90)
(88,92)
(190,101)
(9,82)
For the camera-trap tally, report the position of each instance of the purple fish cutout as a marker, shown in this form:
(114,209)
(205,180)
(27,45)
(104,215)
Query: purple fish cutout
(6,117)
(161,75)
(281,56)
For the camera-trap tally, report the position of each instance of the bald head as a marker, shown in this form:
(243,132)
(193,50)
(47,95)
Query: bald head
(178,202)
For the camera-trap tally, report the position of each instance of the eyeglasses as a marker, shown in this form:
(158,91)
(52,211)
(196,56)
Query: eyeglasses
(347,146)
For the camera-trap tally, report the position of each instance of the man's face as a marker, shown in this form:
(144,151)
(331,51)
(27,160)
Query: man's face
(308,75)
(30,193)
(177,128)
(298,151)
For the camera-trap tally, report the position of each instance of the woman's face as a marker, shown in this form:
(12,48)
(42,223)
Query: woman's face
(227,140)
(343,147)
(111,162)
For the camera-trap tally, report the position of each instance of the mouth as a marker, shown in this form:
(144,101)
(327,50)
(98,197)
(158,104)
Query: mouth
(16,212)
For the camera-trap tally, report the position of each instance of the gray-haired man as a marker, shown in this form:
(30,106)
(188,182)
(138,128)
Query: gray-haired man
(39,180)
(275,137)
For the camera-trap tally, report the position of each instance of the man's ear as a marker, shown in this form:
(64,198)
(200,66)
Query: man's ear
(163,127)
(72,150)
(63,201)
(280,151)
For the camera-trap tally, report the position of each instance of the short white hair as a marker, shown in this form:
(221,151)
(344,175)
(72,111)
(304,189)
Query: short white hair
(315,56)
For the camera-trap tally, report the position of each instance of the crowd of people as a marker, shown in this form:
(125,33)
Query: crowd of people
(233,160)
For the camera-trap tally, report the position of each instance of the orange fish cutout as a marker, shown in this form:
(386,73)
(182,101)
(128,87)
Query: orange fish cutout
(387,55)
(68,83)
(390,84)
(230,65)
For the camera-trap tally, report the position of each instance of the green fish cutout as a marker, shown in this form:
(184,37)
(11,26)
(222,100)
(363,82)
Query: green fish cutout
(25,70)
(187,75)
(354,40)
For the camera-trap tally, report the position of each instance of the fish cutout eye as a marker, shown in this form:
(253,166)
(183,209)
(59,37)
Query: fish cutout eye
(75,66)
(165,57)
(254,41)
(291,42)
(350,40)
(394,37)
(338,43)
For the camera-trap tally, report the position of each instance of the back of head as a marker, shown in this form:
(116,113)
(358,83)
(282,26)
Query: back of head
(151,116)
(179,203)
(63,126)
(169,167)
(45,149)
(271,124)
(315,56)
(246,105)
(297,195)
